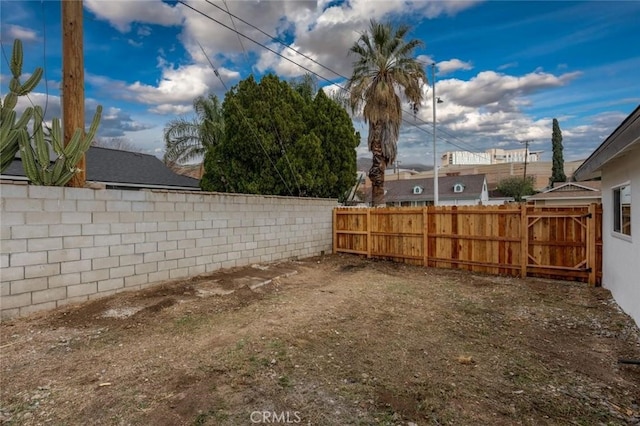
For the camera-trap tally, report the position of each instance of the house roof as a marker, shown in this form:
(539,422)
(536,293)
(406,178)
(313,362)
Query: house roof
(571,190)
(123,168)
(623,139)
(403,190)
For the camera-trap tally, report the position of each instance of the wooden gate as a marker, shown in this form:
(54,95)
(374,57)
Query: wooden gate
(561,242)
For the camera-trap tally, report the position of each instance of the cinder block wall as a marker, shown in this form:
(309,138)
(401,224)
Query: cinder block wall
(64,245)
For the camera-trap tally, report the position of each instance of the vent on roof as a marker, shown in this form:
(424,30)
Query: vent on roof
(458,187)
(417,190)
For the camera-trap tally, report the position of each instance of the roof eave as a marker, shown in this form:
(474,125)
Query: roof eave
(146,186)
(623,137)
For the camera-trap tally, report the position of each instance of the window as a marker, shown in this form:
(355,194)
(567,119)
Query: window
(458,187)
(417,190)
(622,209)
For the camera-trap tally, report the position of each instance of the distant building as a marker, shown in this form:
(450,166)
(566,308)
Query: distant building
(469,190)
(490,156)
(569,194)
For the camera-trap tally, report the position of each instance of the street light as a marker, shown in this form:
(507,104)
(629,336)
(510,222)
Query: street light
(435,153)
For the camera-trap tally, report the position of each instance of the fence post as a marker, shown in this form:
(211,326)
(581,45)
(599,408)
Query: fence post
(335,233)
(425,236)
(591,244)
(368,232)
(524,243)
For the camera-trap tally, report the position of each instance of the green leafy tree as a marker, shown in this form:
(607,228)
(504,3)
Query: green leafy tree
(517,187)
(384,67)
(557,169)
(189,139)
(282,140)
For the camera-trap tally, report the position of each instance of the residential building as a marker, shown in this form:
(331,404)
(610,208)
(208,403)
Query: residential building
(452,191)
(568,194)
(116,169)
(617,162)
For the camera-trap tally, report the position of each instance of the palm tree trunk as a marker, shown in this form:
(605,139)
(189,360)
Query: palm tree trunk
(379,165)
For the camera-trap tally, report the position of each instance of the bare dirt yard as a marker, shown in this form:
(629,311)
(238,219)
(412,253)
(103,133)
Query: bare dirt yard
(337,340)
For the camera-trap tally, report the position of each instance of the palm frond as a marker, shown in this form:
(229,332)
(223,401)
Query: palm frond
(385,70)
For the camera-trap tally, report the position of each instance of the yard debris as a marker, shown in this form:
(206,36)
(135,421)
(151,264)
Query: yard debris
(465,360)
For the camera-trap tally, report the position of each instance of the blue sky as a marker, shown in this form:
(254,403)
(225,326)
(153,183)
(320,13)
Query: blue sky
(505,69)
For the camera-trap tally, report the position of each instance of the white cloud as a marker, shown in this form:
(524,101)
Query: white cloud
(491,89)
(452,65)
(330,33)
(175,91)
(121,14)
(506,66)
(17,32)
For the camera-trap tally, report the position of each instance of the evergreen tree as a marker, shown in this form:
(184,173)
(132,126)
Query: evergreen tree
(557,170)
(282,139)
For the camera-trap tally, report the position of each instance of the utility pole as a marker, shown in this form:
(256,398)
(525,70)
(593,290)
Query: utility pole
(435,154)
(73,79)
(526,156)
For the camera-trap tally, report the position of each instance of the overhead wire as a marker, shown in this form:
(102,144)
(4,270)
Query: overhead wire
(244,117)
(246,55)
(300,65)
(287,46)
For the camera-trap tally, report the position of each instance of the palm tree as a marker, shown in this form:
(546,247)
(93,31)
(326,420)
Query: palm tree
(187,140)
(385,68)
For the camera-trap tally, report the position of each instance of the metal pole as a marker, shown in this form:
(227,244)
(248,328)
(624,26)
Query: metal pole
(435,153)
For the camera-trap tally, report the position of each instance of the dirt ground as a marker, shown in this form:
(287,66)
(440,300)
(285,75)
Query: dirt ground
(337,340)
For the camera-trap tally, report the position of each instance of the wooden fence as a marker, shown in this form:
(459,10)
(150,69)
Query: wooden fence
(518,240)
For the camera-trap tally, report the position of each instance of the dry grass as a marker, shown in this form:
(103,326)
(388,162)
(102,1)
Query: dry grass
(344,341)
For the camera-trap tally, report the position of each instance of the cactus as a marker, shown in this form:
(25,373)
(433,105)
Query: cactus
(10,129)
(36,160)
(36,149)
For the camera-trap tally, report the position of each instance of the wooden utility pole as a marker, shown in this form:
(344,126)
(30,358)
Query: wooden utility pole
(73,79)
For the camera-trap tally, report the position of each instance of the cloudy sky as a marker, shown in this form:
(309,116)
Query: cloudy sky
(504,69)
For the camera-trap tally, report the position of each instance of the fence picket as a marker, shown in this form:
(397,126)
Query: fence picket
(517,240)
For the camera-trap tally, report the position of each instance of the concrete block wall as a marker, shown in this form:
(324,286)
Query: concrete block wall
(65,245)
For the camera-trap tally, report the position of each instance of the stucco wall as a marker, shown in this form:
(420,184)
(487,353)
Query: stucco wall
(621,256)
(63,245)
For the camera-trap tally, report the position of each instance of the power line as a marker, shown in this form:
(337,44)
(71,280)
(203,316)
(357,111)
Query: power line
(287,46)
(300,65)
(246,56)
(244,117)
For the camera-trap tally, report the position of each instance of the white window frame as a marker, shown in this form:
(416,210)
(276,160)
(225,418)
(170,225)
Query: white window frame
(417,190)
(458,188)
(616,202)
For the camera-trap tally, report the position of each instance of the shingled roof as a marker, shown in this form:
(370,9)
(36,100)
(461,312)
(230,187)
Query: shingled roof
(117,168)
(571,191)
(397,191)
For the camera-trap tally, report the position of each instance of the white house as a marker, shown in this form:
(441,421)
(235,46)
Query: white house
(617,162)
(467,190)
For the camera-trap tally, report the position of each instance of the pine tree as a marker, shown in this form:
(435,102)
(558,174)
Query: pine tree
(557,170)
